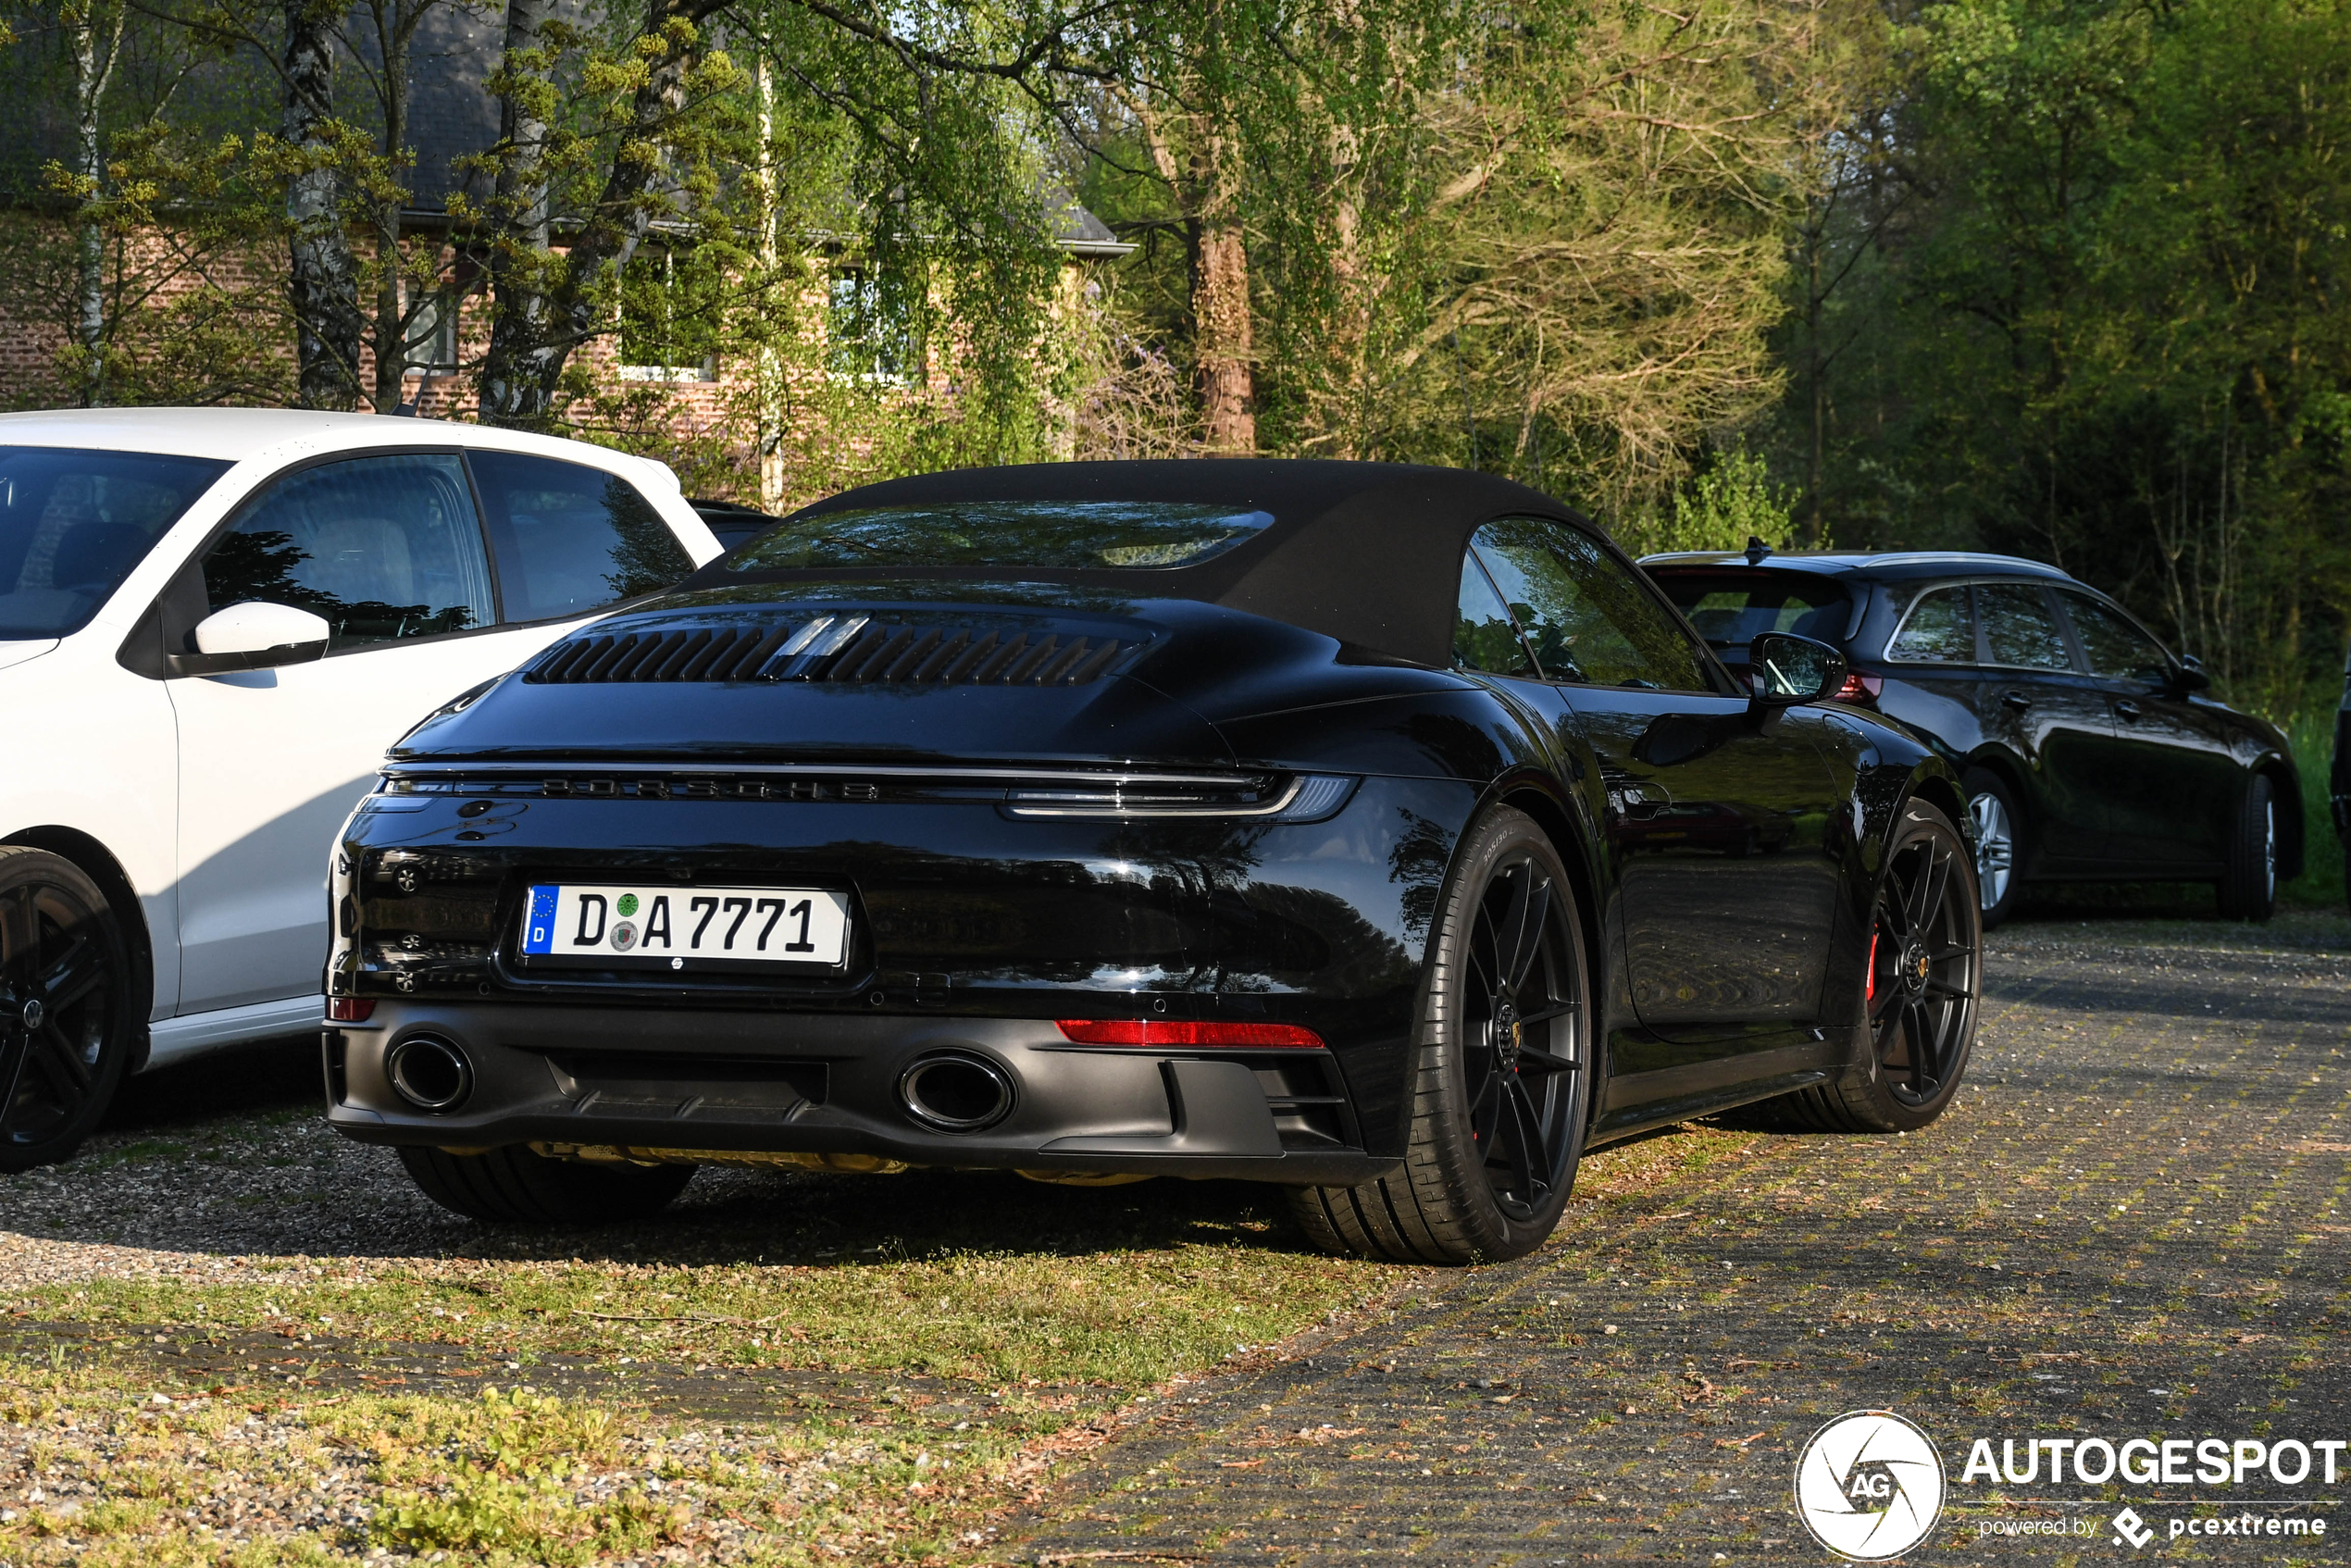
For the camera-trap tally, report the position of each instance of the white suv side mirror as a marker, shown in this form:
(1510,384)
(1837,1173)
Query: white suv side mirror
(255,635)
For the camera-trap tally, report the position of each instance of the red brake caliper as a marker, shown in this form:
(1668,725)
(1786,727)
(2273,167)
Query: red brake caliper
(1869,994)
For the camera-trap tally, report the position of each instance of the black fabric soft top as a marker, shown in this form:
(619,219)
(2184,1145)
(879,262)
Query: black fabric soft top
(1369,554)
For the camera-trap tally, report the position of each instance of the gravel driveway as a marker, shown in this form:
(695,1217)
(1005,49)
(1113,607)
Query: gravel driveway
(2134,1222)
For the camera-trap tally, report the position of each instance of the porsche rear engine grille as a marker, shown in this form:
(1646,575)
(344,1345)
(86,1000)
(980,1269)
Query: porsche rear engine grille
(831,648)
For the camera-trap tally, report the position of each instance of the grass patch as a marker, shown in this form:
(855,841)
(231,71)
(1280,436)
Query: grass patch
(145,1453)
(1120,1290)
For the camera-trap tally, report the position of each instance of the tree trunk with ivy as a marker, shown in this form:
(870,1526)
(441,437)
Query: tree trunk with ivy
(1222,355)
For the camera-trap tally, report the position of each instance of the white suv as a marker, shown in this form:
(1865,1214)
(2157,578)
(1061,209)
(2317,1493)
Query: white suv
(212,624)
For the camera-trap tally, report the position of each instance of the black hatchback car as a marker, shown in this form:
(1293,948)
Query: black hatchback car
(2088,751)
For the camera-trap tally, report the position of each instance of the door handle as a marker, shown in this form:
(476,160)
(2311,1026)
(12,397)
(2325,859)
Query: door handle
(2127,709)
(2016,700)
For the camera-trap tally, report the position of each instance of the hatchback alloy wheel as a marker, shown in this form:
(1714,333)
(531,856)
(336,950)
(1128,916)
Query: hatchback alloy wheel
(65,1014)
(1994,849)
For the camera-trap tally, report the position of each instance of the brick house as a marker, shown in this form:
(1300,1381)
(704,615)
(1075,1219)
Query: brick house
(198,321)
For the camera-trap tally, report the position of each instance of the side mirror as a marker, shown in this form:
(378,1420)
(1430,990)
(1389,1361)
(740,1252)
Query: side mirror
(2189,674)
(1786,669)
(253,635)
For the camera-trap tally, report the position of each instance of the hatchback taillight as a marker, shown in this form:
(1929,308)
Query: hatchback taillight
(1861,688)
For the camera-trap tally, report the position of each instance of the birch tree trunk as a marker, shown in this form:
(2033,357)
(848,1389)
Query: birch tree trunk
(324,284)
(771,372)
(97,34)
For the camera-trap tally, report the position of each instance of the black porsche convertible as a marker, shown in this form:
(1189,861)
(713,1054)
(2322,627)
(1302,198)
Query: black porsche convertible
(1376,831)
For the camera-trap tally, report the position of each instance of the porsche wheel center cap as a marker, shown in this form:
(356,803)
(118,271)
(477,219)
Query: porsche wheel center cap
(1508,1033)
(1915,965)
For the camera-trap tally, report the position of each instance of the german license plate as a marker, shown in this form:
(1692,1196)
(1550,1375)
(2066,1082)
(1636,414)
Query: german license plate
(664,927)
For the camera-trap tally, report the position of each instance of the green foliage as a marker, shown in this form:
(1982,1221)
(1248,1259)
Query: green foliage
(2086,302)
(1732,501)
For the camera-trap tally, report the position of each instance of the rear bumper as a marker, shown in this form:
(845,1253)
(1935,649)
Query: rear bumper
(743,1083)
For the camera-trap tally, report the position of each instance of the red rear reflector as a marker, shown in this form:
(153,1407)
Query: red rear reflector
(350,1009)
(1167,1034)
(1857,688)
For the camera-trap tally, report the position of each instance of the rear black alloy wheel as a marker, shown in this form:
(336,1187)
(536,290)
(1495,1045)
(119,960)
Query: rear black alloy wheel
(66,1019)
(2249,885)
(1999,830)
(1503,1089)
(519,1185)
(1925,977)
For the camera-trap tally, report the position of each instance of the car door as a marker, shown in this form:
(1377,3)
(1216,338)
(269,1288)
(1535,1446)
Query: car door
(2032,699)
(1715,812)
(2171,777)
(390,549)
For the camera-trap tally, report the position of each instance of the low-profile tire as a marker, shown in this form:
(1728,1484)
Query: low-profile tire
(1999,843)
(1501,1081)
(2249,885)
(516,1186)
(1919,1003)
(68,1021)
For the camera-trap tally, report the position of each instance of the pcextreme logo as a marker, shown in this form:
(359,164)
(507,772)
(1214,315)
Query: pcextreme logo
(1868,1486)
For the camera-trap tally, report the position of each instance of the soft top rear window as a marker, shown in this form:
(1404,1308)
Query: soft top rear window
(1051,535)
(1729,608)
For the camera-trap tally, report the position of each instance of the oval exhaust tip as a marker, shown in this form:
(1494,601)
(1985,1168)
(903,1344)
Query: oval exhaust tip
(956,1093)
(430,1073)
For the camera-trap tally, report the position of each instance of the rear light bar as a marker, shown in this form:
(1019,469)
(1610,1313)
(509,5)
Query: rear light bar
(1304,798)
(1863,689)
(1166,1034)
(350,1009)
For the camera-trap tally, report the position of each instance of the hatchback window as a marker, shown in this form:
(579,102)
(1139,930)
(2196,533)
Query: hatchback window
(2116,648)
(1484,638)
(386,548)
(1730,610)
(73,523)
(571,539)
(1585,616)
(2018,630)
(1937,631)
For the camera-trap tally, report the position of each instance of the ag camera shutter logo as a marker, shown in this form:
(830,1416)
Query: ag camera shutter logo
(1868,1486)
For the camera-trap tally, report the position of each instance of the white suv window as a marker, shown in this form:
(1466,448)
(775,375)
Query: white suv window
(386,548)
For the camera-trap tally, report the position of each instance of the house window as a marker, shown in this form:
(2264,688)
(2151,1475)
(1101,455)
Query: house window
(432,331)
(871,332)
(672,304)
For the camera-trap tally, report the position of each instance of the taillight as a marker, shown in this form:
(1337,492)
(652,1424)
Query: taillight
(350,1009)
(1861,688)
(1170,1034)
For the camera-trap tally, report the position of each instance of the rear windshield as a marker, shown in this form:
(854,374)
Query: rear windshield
(1070,535)
(73,523)
(1728,609)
